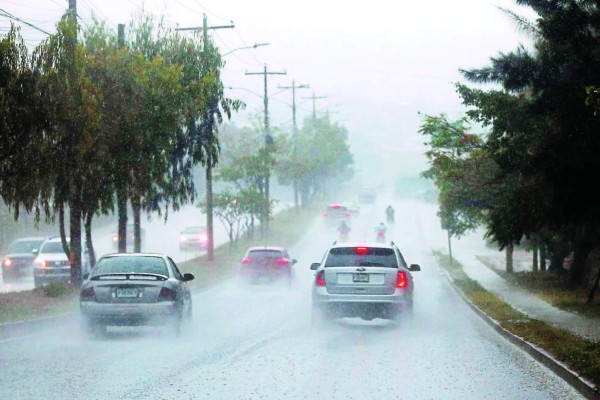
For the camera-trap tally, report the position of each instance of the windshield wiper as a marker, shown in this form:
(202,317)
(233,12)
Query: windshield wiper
(128,275)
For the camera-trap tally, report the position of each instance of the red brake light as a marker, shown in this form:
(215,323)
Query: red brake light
(282,261)
(167,294)
(336,207)
(402,280)
(203,238)
(7,262)
(347,214)
(246,261)
(361,251)
(320,279)
(88,294)
(324,214)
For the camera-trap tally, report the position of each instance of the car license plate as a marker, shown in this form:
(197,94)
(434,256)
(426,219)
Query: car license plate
(127,293)
(362,278)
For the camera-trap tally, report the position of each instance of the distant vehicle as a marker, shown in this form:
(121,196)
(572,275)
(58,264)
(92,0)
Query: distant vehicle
(130,237)
(335,213)
(126,289)
(51,264)
(269,262)
(365,280)
(367,195)
(352,206)
(18,261)
(193,238)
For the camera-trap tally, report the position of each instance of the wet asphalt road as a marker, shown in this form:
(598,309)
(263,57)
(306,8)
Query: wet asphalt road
(257,343)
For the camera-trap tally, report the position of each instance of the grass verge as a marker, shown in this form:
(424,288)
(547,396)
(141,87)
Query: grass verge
(18,306)
(553,288)
(579,354)
(286,228)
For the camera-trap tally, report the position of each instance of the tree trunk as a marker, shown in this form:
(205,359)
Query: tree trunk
(122,228)
(543,257)
(577,268)
(210,232)
(509,258)
(61,229)
(75,235)
(535,259)
(137,223)
(91,254)
(590,298)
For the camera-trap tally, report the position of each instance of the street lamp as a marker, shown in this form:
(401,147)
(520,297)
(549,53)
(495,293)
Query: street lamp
(246,47)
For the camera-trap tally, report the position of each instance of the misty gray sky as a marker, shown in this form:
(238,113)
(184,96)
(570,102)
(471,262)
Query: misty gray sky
(379,62)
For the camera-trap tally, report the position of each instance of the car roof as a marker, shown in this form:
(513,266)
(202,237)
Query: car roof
(30,238)
(135,255)
(364,244)
(253,248)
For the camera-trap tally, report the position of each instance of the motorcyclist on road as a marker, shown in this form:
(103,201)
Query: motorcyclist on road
(344,229)
(380,231)
(389,212)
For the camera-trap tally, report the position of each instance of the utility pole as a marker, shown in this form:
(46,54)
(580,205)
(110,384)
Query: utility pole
(314,108)
(295,133)
(268,142)
(210,232)
(73,7)
(121,35)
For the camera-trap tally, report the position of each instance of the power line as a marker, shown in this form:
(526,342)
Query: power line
(212,13)
(10,16)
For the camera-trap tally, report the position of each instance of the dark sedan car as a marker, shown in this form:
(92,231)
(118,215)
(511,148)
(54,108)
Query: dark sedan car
(267,263)
(18,261)
(134,289)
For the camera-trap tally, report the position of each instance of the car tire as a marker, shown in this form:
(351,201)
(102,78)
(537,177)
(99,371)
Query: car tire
(176,325)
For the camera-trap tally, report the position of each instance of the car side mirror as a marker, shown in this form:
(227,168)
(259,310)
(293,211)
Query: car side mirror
(414,267)
(315,266)
(188,277)
(294,261)
(35,252)
(85,276)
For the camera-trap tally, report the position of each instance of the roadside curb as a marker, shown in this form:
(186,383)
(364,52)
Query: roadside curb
(579,383)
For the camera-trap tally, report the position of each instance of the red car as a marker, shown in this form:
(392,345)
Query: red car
(268,262)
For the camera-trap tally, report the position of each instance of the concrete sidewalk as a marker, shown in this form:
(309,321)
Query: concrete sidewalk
(471,248)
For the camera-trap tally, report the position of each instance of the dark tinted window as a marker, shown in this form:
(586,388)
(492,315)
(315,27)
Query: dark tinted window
(194,229)
(264,254)
(24,246)
(141,264)
(350,257)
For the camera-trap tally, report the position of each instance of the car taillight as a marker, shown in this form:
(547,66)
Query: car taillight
(88,294)
(402,280)
(203,238)
(320,279)
(7,262)
(324,214)
(282,261)
(182,239)
(167,294)
(246,261)
(115,238)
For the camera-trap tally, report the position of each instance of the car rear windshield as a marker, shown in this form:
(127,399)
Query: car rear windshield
(351,257)
(140,265)
(194,229)
(52,247)
(24,246)
(264,254)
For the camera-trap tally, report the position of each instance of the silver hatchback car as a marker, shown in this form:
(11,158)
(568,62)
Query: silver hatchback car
(365,280)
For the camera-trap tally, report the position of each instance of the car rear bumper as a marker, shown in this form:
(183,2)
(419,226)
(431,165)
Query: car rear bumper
(130,314)
(43,276)
(358,305)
